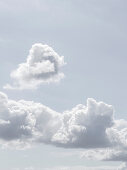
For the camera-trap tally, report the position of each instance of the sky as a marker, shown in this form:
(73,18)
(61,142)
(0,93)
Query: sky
(63,85)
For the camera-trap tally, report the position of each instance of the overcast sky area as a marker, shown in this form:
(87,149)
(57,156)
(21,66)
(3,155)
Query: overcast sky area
(63,85)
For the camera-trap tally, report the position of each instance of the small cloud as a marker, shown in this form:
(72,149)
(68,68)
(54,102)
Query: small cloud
(42,66)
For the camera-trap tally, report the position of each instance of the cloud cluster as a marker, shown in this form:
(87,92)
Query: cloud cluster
(25,122)
(90,126)
(42,66)
(86,126)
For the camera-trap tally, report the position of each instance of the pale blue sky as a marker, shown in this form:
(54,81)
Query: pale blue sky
(92,36)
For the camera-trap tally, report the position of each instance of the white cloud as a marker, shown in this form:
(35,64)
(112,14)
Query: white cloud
(23,123)
(86,126)
(42,66)
(109,154)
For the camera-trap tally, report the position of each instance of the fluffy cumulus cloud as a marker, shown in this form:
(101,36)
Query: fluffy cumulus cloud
(90,126)
(26,122)
(86,126)
(118,149)
(42,66)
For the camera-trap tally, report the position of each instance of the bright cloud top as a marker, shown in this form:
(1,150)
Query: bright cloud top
(42,66)
(23,123)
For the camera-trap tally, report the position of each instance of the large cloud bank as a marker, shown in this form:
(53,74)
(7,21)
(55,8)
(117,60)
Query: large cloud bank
(42,66)
(91,126)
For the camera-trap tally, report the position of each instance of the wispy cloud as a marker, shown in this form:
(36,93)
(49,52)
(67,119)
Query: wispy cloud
(121,167)
(109,154)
